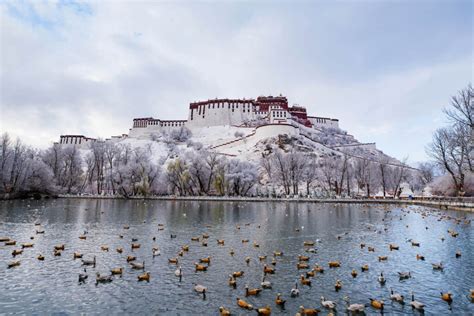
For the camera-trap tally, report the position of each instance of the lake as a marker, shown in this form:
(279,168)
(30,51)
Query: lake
(51,286)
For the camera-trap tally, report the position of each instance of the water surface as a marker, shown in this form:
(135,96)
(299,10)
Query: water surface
(51,286)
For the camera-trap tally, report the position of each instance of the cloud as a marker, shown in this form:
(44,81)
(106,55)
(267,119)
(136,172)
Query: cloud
(385,70)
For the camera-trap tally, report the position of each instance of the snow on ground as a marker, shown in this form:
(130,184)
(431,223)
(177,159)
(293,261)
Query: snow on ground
(217,135)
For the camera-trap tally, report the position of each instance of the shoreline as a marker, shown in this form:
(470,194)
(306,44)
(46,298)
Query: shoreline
(441,203)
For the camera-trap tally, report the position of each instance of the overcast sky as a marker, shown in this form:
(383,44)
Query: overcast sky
(385,70)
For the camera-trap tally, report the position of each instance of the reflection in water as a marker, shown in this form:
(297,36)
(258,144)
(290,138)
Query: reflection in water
(52,285)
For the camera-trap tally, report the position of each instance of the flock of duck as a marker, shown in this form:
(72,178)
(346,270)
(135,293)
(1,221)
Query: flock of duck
(268,263)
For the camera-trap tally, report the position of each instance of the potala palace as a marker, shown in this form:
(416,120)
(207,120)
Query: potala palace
(268,116)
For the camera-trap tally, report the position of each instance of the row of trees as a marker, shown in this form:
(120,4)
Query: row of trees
(452,147)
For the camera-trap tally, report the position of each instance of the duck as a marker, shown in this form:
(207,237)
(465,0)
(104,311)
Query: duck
(311,250)
(205,236)
(221,242)
(88,262)
(231,252)
(59,247)
(308,243)
(303,258)
(237,274)
(204,243)
(224,311)
(437,266)
(40,231)
(279,301)
(415,304)
(232,281)
(144,277)
(458,254)
(102,278)
(338,285)
(82,237)
(277,253)
(135,246)
(104,248)
(195,238)
(362,245)
(252,292)
(57,253)
(116,271)
(256,245)
(268,270)
(131,258)
(200,267)
(178,272)
(266,284)
(27,245)
(327,304)
(119,250)
(302,265)
(308,311)
(334,264)
(377,304)
(383,258)
(354,308)
(173,260)
(77,255)
(447,297)
(396,297)
(13,264)
(318,268)
(138,266)
(404,275)
(393,247)
(294,292)
(381,279)
(305,281)
(40,257)
(310,274)
(262,258)
(185,248)
(415,243)
(243,304)
(10,243)
(17,252)
(83,276)
(370,249)
(201,289)
(205,260)
(155,252)
(247,260)
(264,311)
(420,257)
(354,273)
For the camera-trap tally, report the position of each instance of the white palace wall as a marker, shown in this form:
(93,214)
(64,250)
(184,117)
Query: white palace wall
(220,113)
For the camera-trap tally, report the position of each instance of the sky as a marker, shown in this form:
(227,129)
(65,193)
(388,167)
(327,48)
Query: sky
(385,69)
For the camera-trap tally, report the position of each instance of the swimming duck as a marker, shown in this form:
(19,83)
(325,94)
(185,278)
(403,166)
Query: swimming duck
(205,260)
(232,281)
(131,258)
(116,271)
(205,235)
(178,272)
(17,252)
(185,248)
(135,246)
(415,243)
(437,266)
(264,311)
(256,245)
(221,242)
(327,304)
(277,253)
(231,252)
(144,277)
(77,255)
(308,311)
(396,297)
(119,250)
(383,258)
(308,243)
(458,254)
(266,284)
(201,289)
(10,243)
(415,304)
(238,274)
(404,275)
(393,247)
(381,279)
(305,281)
(244,241)
(338,285)
(57,253)
(204,243)
(279,301)
(138,266)
(268,270)
(334,264)
(194,238)
(354,308)
(88,262)
(262,258)
(243,304)
(376,304)
(354,273)
(303,258)
(318,268)
(362,245)
(82,237)
(223,311)
(200,267)
(104,248)
(295,291)
(59,247)
(302,265)
(252,292)
(155,252)
(102,278)
(83,276)
(420,257)
(27,245)
(15,263)
(311,250)
(310,274)
(371,249)
(447,297)
(40,257)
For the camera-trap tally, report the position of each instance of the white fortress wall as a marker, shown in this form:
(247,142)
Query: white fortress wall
(220,112)
(323,121)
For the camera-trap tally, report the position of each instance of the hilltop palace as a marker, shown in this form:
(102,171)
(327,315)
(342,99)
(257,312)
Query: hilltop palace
(234,112)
